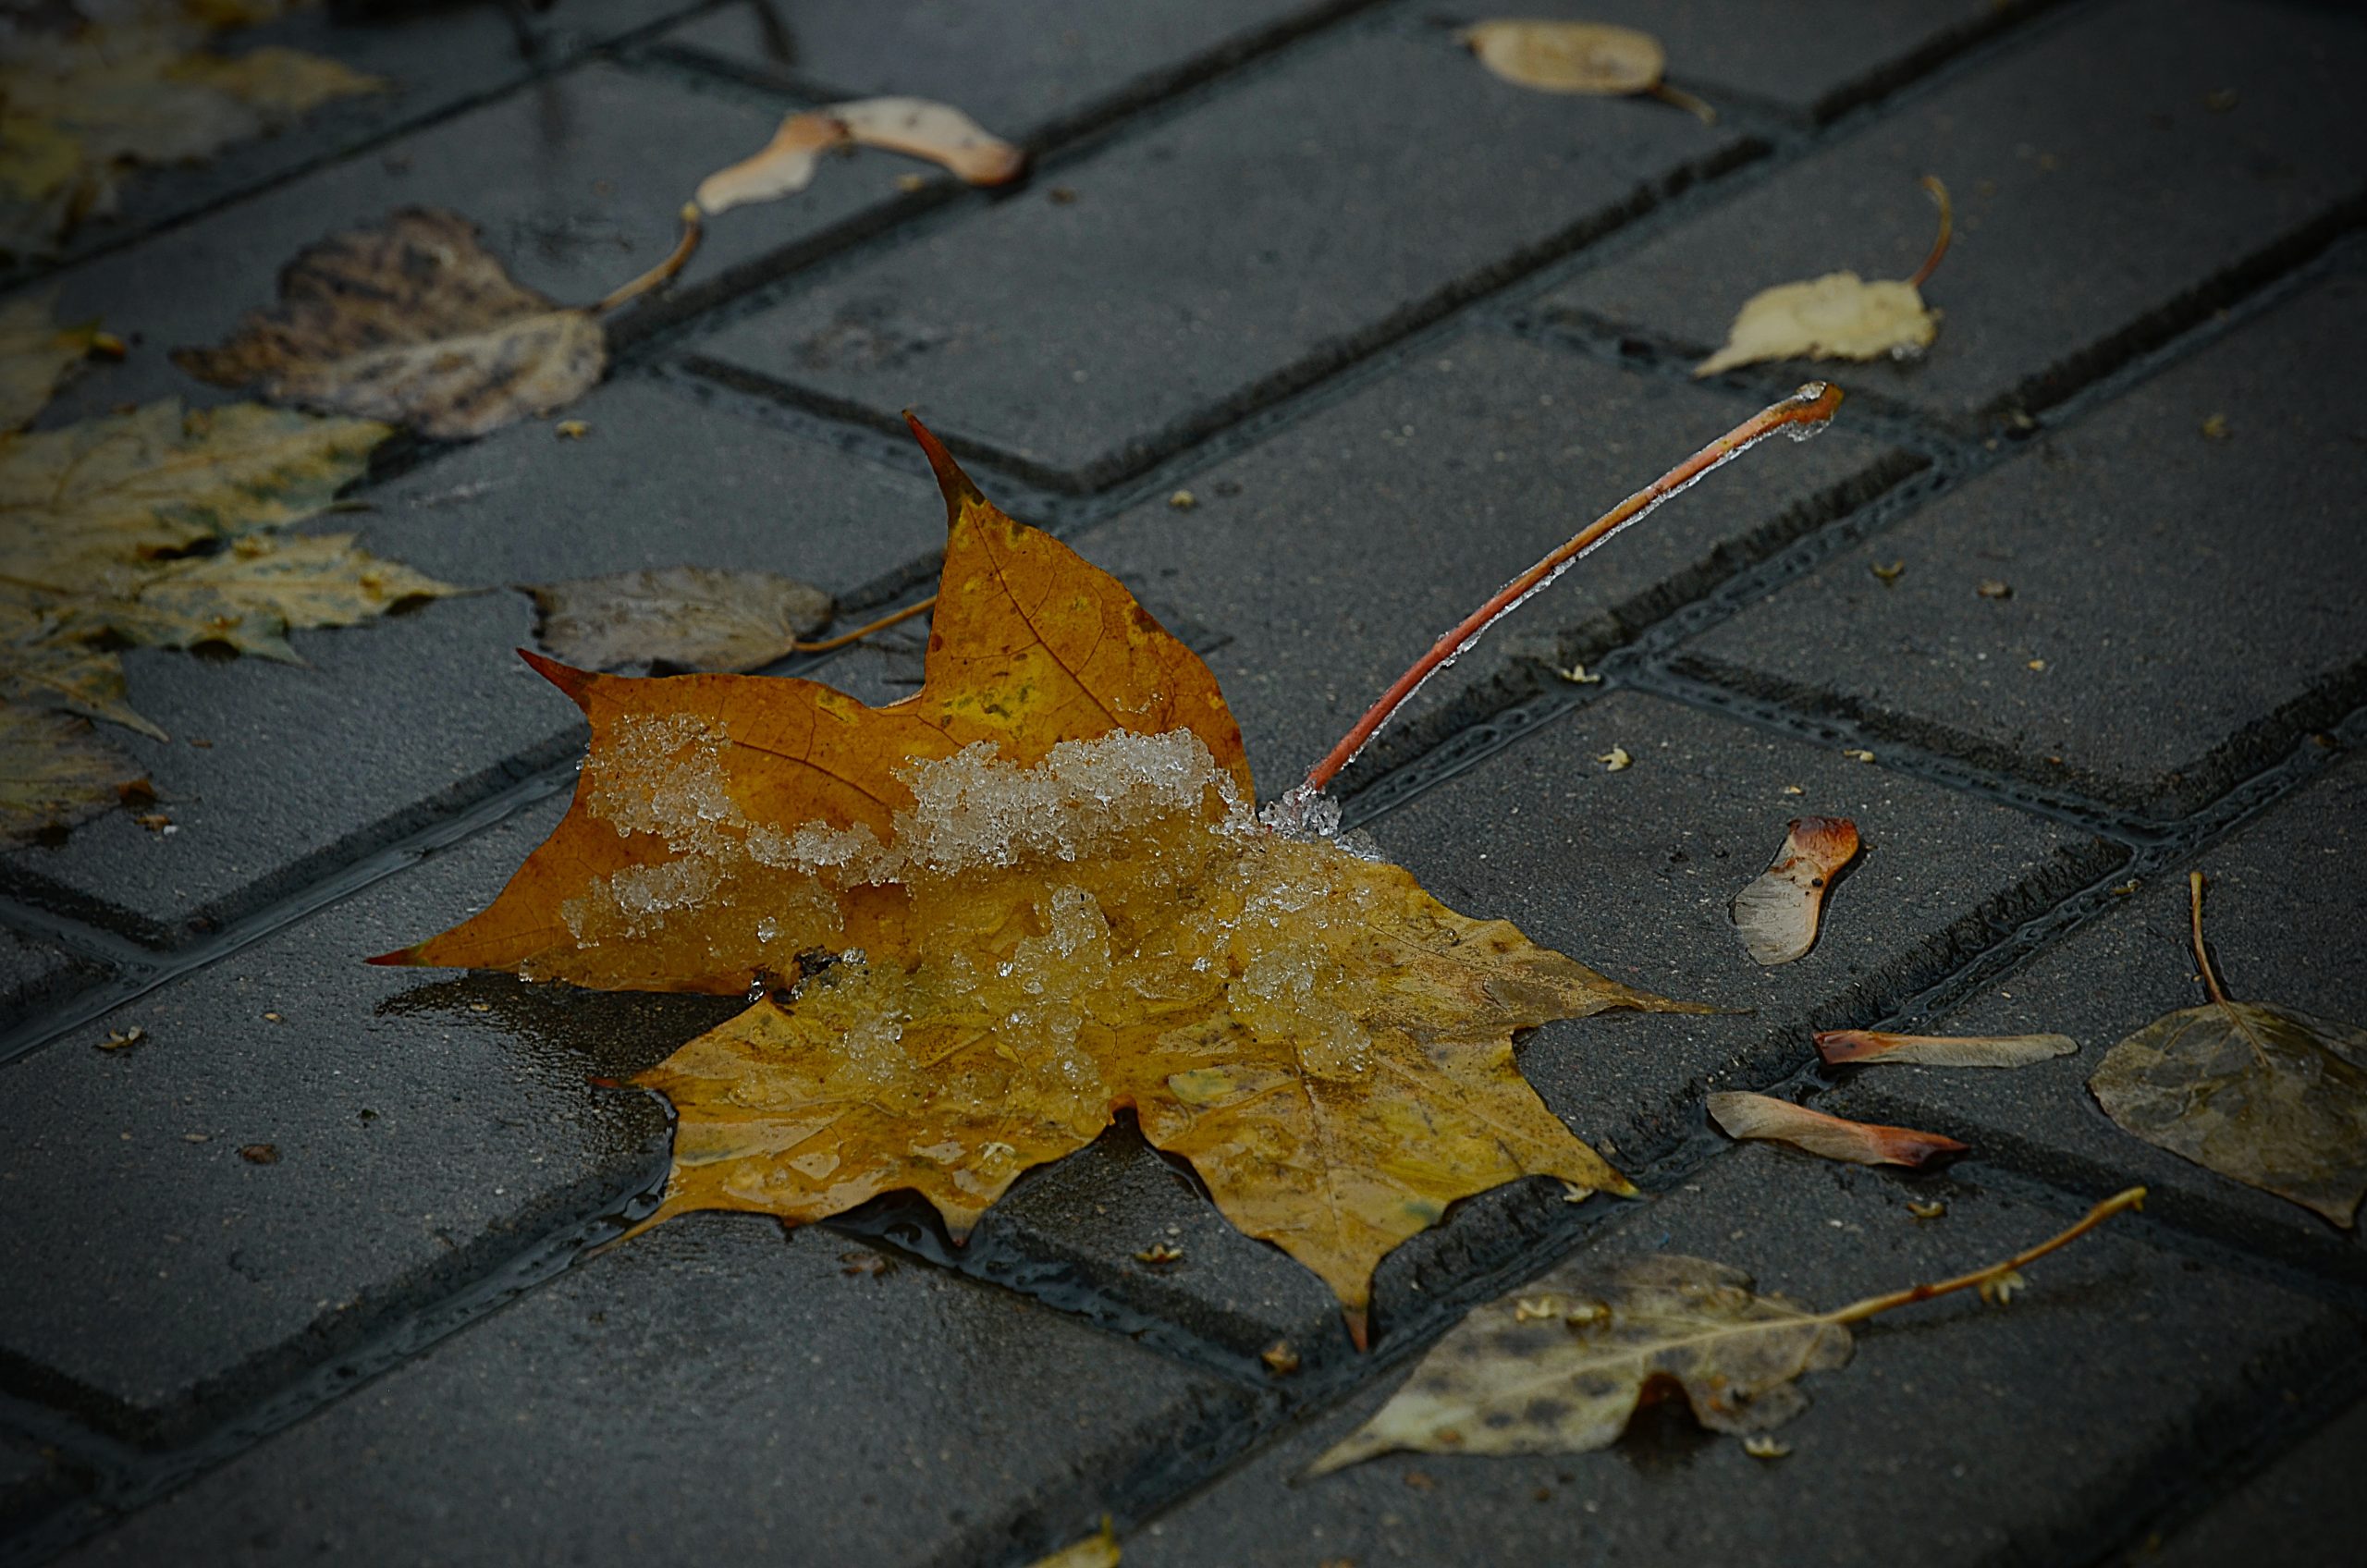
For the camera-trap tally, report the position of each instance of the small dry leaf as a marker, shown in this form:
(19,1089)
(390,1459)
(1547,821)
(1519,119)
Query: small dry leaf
(2214,427)
(1859,755)
(1615,759)
(1590,57)
(1280,1358)
(1926,1210)
(691,617)
(1777,914)
(1840,1046)
(1578,675)
(1159,1253)
(1992,588)
(571,430)
(912,126)
(2269,1095)
(1890,573)
(122,1039)
(260,1154)
(1831,1137)
(1761,1446)
(1096,1550)
(1500,1383)
(1838,317)
(1183,500)
(414,323)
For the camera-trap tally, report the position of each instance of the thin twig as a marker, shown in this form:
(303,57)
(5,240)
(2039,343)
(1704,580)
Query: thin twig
(1811,406)
(860,632)
(1948,232)
(663,271)
(2202,958)
(1856,1312)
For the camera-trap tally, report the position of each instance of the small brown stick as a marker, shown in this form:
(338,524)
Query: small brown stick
(860,632)
(1805,410)
(1856,1312)
(663,271)
(1947,230)
(2202,958)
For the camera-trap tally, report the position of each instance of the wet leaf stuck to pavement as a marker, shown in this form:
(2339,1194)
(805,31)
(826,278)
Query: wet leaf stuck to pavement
(1589,57)
(1831,1137)
(37,356)
(1778,915)
(1856,1047)
(54,772)
(1561,1364)
(414,323)
(2269,1095)
(914,127)
(89,100)
(695,618)
(1838,317)
(1053,902)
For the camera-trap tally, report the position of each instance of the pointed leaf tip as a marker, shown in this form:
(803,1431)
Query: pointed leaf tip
(400,958)
(566,677)
(957,485)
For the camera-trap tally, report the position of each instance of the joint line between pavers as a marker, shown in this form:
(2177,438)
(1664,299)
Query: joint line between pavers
(79,937)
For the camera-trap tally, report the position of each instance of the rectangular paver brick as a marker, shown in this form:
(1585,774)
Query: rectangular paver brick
(399,718)
(1243,247)
(1959,1434)
(422,1130)
(1030,70)
(35,973)
(1334,554)
(575,185)
(2103,202)
(713,1392)
(2306,1509)
(2283,911)
(2115,662)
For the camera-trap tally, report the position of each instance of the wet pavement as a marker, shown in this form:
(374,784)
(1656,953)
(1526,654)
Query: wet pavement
(1396,326)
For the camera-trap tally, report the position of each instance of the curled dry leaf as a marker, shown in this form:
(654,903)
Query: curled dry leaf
(912,126)
(1839,1047)
(1063,906)
(1777,914)
(1590,57)
(1831,1137)
(413,322)
(2269,1095)
(692,617)
(89,100)
(1838,317)
(1513,1379)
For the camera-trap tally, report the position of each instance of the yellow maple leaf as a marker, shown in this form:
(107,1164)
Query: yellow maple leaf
(1053,902)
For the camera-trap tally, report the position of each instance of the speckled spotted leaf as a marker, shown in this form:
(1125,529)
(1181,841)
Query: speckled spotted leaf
(2269,1095)
(993,914)
(1561,1364)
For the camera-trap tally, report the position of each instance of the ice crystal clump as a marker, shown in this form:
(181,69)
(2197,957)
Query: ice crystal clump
(1302,811)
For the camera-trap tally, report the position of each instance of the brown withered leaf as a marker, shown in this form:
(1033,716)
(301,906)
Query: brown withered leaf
(914,127)
(414,323)
(1777,914)
(1838,317)
(1831,1137)
(89,100)
(1561,1364)
(2269,1095)
(54,772)
(1589,57)
(695,618)
(1850,1046)
(1051,901)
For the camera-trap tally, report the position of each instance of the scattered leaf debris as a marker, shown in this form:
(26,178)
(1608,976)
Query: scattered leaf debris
(1859,755)
(2214,427)
(1159,1253)
(1759,1445)
(1840,315)
(571,430)
(1578,675)
(1777,914)
(259,1154)
(1589,57)
(1765,1116)
(693,617)
(123,1039)
(912,126)
(1994,588)
(1890,573)
(1183,500)
(1839,1047)
(2268,1096)
(1931,1210)
(1500,1384)
(1615,759)
(1280,1358)
(1098,1549)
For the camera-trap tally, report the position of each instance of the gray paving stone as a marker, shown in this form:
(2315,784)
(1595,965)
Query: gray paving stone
(1031,71)
(158,1275)
(710,1392)
(2124,539)
(433,59)
(2285,904)
(32,1480)
(2305,1510)
(1209,263)
(1631,872)
(1813,58)
(1958,1434)
(35,974)
(401,718)
(1333,554)
(575,182)
(2102,204)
